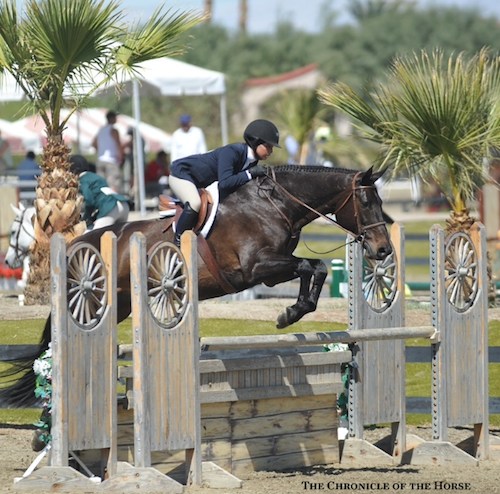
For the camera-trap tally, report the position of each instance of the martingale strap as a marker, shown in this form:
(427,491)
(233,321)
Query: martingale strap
(213,267)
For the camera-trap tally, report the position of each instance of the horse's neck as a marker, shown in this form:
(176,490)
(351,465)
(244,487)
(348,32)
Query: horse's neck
(321,190)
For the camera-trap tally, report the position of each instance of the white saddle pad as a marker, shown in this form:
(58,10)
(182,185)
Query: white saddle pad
(213,190)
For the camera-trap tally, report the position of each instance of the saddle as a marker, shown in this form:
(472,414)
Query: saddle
(173,208)
(168,203)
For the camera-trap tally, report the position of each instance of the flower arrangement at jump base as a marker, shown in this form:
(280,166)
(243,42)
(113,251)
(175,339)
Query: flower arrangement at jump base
(342,398)
(43,390)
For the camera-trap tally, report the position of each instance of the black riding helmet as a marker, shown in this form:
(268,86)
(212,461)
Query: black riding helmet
(261,132)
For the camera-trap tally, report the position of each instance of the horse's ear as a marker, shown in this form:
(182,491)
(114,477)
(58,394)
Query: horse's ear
(366,178)
(377,175)
(19,210)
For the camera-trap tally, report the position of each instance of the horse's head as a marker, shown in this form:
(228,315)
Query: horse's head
(22,235)
(361,213)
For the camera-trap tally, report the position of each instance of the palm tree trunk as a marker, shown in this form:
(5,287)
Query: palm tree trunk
(58,208)
(208,10)
(243,16)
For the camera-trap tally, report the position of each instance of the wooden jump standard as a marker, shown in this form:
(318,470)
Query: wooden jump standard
(459,387)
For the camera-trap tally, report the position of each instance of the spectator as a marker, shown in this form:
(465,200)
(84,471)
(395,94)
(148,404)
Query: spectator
(187,140)
(5,155)
(109,152)
(156,174)
(102,206)
(28,170)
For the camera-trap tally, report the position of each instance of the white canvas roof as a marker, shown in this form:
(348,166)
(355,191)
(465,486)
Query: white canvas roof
(20,140)
(175,78)
(83,126)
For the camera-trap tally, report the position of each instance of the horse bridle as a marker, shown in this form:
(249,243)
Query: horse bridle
(359,237)
(20,252)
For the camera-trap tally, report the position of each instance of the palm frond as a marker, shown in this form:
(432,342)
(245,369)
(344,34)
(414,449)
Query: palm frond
(158,37)
(432,113)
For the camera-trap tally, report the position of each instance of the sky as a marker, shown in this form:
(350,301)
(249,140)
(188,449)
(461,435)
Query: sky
(264,14)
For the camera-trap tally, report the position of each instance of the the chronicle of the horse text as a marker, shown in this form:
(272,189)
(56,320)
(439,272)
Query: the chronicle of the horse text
(437,485)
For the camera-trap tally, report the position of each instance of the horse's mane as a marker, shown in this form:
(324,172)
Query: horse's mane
(311,168)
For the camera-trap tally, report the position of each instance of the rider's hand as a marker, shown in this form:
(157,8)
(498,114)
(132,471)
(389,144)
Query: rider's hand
(257,171)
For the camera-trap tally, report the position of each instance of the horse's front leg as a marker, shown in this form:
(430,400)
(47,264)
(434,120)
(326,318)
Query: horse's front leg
(309,292)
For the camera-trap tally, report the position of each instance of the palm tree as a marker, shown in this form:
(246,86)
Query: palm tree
(435,118)
(243,21)
(208,8)
(299,113)
(61,52)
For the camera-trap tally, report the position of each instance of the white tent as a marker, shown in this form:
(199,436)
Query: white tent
(83,126)
(20,140)
(167,76)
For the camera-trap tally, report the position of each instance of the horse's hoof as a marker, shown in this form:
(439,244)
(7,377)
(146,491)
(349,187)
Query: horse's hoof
(37,444)
(282,321)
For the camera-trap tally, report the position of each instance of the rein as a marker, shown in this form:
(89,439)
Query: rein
(352,193)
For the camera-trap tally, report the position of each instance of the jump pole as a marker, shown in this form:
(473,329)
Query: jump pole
(323,338)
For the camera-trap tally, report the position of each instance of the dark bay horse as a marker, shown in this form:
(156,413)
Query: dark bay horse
(256,230)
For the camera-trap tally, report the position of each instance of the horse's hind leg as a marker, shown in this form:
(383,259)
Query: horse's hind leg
(307,301)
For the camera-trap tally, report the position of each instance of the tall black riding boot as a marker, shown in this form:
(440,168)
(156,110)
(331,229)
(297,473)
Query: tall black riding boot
(187,221)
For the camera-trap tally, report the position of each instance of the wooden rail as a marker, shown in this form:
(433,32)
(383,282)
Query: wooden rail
(307,339)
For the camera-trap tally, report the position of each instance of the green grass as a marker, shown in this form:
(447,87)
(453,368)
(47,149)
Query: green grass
(418,380)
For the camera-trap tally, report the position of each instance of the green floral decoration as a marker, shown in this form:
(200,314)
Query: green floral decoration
(43,390)
(342,398)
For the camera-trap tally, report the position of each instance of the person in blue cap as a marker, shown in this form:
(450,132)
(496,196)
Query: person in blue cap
(232,166)
(187,140)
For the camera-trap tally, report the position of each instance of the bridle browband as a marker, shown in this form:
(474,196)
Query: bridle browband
(358,237)
(21,252)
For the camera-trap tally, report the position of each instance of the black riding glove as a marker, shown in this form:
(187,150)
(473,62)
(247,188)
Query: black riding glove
(257,171)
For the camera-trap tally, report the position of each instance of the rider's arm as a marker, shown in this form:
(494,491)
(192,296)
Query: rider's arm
(230,175)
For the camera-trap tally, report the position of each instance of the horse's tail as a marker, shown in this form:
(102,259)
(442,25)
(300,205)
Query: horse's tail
(18,380)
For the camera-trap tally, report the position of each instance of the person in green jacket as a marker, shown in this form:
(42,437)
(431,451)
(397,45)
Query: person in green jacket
(102,205)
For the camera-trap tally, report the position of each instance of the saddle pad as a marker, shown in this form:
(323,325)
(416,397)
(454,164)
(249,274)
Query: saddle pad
(213,190)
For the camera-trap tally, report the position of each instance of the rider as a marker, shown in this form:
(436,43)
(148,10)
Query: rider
(232,166)
(102,205)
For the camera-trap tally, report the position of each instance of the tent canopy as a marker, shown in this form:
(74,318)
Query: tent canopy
(83,126)
(20,140)
(175,78)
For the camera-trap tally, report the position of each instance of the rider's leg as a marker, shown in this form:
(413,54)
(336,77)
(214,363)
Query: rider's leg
(186,192)
(187,221)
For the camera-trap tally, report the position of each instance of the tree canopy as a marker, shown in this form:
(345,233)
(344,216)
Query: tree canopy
(357,53)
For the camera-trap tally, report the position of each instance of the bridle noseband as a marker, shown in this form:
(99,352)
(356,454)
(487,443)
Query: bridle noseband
(357,214)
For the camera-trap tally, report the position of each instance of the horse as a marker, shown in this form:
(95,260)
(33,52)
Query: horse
(22,236)
(252,241)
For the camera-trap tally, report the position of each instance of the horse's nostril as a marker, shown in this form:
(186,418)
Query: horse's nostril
(383,252)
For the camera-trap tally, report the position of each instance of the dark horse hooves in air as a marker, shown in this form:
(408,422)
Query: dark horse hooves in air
(255,233)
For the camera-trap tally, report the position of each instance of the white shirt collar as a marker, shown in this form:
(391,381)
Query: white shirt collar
(250,158)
